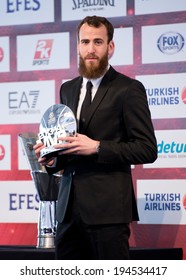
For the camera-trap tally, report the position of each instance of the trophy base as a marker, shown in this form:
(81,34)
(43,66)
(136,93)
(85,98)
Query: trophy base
(49,152)
(45,242)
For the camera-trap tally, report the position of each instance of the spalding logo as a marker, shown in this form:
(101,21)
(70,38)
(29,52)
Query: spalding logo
(170,42)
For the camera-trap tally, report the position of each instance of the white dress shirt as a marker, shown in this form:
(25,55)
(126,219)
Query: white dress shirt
(95,83)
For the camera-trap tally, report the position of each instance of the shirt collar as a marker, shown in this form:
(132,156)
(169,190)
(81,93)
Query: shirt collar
(95,82)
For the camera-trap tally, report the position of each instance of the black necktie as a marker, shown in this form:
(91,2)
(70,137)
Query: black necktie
(86,104)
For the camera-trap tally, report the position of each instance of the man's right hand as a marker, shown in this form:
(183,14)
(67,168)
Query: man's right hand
(43,161)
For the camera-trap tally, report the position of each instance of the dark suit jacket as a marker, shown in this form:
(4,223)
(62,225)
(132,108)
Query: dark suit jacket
(119,118)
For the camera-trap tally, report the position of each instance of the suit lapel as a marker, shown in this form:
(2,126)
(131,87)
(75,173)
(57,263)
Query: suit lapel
(75,90)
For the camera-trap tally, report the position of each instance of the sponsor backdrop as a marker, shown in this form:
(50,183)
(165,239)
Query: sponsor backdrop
(38,53)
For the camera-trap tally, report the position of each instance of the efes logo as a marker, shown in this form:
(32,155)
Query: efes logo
(170,42)
(1,54)
(183,95)
(184,201)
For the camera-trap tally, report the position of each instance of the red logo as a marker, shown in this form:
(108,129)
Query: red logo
(43,49)
(183,95)
(2,152)
(1,54)
(184,201)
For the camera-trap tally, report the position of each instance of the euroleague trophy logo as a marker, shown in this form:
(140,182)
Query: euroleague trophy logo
(57,121)
(183,95)
(184,201)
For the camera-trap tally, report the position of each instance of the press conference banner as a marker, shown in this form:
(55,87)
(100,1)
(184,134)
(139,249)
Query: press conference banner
(38,52)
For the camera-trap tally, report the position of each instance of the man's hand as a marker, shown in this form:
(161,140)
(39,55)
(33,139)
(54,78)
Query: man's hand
(43,161)
(77,145)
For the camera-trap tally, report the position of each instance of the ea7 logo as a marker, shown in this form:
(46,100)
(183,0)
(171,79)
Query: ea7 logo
(23,100)
(43,51)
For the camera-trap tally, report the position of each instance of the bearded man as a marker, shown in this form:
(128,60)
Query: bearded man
(96,201)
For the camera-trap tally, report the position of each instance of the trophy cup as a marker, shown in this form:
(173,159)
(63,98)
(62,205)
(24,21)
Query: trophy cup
(58,120)
(47,189)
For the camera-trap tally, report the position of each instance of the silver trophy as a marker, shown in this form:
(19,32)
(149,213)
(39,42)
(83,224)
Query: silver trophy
(57,121)
(47,189)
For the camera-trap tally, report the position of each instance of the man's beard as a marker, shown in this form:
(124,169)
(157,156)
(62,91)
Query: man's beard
(93,71)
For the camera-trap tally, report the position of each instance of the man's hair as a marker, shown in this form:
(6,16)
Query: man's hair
(96,21)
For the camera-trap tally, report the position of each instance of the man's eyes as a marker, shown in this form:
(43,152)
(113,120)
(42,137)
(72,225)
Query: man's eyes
(96,42)
(84,42)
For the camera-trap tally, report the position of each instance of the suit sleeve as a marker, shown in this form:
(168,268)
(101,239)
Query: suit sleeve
(139,146)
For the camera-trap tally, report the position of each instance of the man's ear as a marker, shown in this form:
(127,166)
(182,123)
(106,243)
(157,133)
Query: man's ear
(111,48)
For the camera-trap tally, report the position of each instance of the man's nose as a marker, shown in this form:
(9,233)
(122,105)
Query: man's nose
(91,48)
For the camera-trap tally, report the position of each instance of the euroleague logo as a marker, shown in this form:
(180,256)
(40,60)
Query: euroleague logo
(184,201)
(170,42)
(1,54)
(183,95)
(2,152)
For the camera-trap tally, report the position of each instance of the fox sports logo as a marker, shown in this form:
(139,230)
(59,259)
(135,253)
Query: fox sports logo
(170,42)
